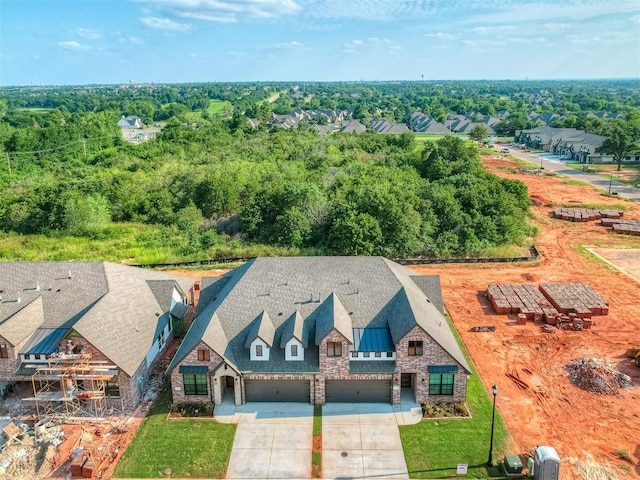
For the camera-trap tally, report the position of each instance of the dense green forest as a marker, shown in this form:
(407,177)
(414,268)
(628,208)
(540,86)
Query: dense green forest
(210,186)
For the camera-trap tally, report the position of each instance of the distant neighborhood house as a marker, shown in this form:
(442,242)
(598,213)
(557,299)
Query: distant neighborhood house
(130,121)
(571,143)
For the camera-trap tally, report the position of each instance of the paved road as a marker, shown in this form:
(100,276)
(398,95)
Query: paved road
(622,190)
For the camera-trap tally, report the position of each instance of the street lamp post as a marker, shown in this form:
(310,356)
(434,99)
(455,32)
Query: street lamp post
(541,160)
(494,390)
(610,180)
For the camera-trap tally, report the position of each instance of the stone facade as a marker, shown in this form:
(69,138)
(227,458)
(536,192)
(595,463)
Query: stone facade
(432,354)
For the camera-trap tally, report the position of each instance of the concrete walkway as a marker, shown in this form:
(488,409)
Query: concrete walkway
(362,440)
(273,440)
(556,166)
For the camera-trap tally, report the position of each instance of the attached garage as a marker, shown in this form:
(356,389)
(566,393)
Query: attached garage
(358,391)
(277,391)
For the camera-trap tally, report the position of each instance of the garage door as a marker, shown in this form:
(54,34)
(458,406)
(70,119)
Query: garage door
(354,391)
(277,390)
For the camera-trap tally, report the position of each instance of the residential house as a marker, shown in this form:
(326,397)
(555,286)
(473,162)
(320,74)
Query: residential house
(112,315)
(318,330)
(352,126)
(422,123)
(383,125)
(130,122)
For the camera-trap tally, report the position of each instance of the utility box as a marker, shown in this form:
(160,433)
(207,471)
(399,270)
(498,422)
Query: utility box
(512,465)
(546,464)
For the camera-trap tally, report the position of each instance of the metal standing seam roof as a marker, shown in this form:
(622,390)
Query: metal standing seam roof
(372,340)
(44,341)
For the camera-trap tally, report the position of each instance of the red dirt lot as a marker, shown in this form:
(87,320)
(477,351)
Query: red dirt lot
(552,411)
(548,409)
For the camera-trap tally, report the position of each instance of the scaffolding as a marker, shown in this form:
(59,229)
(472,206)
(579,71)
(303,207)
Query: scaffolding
(71,386)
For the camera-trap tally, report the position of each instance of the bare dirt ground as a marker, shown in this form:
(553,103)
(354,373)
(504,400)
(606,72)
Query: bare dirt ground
(550,410)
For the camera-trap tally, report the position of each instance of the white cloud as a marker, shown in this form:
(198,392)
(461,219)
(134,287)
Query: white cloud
(371,43)
(164,24)
(73,45)
(288,45)
(440,35)
(227,10)
(88,33)
(492,29)
(131,39)
(635,19)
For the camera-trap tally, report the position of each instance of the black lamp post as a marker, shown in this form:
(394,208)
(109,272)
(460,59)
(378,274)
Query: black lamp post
(494,390)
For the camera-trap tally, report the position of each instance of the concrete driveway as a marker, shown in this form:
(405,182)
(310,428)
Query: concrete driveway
(273,440)
(362,440)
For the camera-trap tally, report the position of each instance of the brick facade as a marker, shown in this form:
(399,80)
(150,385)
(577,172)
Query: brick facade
(432,354)
(331,368)
(9,366)
(177,385)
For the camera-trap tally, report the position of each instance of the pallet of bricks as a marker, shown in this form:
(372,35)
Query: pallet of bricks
(576,304)
(524,300)
(623,227)
(584,214)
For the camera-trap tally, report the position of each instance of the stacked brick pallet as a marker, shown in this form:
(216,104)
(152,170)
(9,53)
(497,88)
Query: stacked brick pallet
(577,298)
(627,228)
(568,306)
(524,300)
(584,214)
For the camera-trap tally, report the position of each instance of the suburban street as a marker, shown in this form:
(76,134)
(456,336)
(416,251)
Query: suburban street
(622,190)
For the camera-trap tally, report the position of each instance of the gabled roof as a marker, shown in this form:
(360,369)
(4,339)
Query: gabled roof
(22,323)
(112,306)
(332,315)
(261,328)
(325,292)
(294,327)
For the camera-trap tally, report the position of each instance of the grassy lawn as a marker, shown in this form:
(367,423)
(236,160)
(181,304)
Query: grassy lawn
(629,174)
(433,137)
(316,457)
(433,448)
(217,107)
(190,448)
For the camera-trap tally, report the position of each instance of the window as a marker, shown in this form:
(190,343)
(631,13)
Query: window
(27,357)
(204,355)
(389,354)
(378,354)
(4,351)
(354,354)
(294,350)
(415,348)
(195,383)
(367,354)
(112,388)
(36,356)
(334,349)
(441,384)
(258,350)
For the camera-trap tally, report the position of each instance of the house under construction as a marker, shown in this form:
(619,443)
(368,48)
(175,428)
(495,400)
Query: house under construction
(72,385)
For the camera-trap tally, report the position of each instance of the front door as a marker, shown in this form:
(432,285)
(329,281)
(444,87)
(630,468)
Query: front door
(405,380)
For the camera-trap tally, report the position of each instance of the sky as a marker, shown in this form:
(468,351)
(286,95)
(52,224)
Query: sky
(77,42)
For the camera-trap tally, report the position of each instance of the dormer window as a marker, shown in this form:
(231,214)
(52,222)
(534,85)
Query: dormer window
(204,355)
(259,350)
(294,350)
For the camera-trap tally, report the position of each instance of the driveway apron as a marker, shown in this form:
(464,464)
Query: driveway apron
(273,440)
(363,441)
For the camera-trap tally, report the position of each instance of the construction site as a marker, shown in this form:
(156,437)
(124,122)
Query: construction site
(62,424)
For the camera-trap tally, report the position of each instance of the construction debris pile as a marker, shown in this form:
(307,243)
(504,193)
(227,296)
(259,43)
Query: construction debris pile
(568,306)
(597,376)
(584,214)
